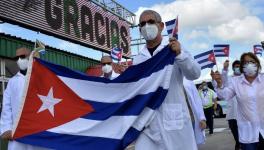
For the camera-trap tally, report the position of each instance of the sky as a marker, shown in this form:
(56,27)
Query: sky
(202,23)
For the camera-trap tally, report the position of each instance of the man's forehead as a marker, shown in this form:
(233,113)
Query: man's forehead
(22,51)
(147,16)
(106,59)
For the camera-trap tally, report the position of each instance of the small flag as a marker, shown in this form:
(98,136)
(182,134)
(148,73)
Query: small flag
(221,50)
(206,59)
(258,49)
(40,47)
(116,53)
(172,28)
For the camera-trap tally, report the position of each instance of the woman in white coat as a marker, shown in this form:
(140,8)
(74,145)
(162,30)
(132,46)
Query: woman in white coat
(171,127)
(248,90)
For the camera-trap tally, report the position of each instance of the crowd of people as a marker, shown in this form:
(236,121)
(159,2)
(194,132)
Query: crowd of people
(181,120)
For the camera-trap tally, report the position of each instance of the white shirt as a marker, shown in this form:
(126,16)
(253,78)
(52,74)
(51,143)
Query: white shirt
(113,75)
(231,104)
(205,96)
(250,106)
(197,108)
(171,128)
(11,105)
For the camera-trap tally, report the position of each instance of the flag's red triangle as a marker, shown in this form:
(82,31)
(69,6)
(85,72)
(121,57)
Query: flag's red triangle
(226,51)
(69,108)
(212,58)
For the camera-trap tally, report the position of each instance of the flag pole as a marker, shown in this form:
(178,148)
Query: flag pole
(215,60)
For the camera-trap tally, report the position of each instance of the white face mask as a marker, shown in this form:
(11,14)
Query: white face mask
(237,71)
(205,87)
(250,69)
(149,31)
(107,68)
(22,63)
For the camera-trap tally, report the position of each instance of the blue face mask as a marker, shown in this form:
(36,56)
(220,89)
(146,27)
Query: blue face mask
(237,71)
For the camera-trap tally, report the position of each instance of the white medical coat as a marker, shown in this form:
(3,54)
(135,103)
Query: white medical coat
(197,109)
(11,103)
(171,127)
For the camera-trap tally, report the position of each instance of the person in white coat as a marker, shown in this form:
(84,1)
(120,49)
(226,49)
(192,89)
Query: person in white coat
(197,108)
(171,126)
(248,90)
(231,114)
(11,102)
(107,68)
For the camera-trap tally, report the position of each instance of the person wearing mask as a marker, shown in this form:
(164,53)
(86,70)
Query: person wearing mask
(231,114)
(198,118)
(171,126)
(12,100)
(107,68)
(209,101)
(248,90)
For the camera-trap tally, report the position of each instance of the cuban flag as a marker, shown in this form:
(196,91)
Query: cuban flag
(206,59)
(40,47)
(172,28)
(67,110)
(116,53)
(221,50)
(258,49)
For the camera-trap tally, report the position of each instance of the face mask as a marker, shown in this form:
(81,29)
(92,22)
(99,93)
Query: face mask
(22,63)
(149,31)
(205,87)
(250,69)
(237,71)
(107,68)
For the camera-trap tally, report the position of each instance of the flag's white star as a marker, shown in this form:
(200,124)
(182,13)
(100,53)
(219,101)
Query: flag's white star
(48,102)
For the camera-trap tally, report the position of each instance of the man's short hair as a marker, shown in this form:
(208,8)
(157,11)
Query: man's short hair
(154,13)
(236,62)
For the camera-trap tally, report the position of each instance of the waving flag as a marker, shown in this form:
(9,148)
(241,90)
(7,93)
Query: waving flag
(67,110)
(258,49)
(40,47)
(172,28)
(221,50)
(116,53)
(206,59)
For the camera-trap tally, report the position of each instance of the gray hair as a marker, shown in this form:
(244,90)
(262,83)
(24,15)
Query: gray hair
(152,12)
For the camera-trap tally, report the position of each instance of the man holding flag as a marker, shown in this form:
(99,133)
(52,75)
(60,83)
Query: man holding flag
(171,127)
(12,101)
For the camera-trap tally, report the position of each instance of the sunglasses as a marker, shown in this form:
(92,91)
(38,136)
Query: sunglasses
(20,56)
(108,63)
(143,23)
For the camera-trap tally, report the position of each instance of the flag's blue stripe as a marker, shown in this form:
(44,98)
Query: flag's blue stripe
(221,45)
(220,55)
(203,54)
(219,50)
(132,74)
(75,142)
(130,107)
(208,66)
(203,61)
(171,22)
(170,31)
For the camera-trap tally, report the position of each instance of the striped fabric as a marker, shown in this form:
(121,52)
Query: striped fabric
(65,110)
(206,59)
(172,28)
(221,50)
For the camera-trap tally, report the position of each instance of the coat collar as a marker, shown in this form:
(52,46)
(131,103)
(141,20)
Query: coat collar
(146,53)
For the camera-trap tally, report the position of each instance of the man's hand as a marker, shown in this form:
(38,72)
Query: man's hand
(7,135)
(212,75)
(226,65)
(175,45)
(202,124)
(218,79)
